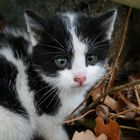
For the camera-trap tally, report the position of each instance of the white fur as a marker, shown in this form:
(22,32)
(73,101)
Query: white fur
(71,94)
(17,33)
(80,50)
(20,127)
(51,126)
(32,24)
(110,22)
(13,126)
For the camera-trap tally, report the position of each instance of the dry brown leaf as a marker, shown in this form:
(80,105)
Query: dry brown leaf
(109,101)
(97,92)
(102,111)
(88,135)
(111,130)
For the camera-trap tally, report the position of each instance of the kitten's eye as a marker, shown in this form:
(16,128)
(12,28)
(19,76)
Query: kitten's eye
(91,59)
(61,62)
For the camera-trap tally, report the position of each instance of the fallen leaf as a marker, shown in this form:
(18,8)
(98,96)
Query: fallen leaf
(102,111)
(131,114)
(109,101)
(88,135)
(111,129)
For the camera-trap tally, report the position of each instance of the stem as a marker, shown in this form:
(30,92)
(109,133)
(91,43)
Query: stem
(130,128)
(137,95)
(79,117)
(123,112)
(114,70)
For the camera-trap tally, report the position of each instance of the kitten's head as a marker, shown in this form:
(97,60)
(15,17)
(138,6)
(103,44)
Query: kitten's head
(70,50)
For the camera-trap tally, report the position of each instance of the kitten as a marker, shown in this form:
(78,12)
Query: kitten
(43,82)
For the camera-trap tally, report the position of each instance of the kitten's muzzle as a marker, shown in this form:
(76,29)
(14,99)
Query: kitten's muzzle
(80,79)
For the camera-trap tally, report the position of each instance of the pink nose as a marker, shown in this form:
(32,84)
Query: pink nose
(80,79)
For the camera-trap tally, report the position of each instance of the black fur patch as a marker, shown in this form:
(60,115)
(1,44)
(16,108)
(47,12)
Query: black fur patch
(91,29)
(8,93)
(54,41)
(18,44)
(46,100)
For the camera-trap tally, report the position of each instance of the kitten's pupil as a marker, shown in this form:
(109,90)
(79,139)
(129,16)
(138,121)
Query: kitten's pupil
(91,59)
(61,62)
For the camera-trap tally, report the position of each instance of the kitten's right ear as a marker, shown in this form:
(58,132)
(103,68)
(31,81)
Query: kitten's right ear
(35,25)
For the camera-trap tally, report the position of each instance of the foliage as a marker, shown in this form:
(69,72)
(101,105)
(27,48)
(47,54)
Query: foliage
(131,3)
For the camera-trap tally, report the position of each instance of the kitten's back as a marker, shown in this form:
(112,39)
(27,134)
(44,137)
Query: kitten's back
(15,109)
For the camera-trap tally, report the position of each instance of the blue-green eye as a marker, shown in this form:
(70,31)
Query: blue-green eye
(91,59)
(61,62)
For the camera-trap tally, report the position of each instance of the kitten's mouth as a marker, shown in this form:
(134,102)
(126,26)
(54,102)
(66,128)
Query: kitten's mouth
(79,85)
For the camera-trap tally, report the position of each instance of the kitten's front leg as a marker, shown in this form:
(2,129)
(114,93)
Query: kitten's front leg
(50,129)
(59,134)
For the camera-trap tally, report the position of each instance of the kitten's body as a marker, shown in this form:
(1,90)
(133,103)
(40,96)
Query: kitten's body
(17,111)
(41,85)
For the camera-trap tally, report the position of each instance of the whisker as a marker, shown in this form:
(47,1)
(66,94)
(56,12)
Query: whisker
(46,53)
(48,97)
(56,105)
(41,89)
(97,48)
(55,40)
(51,89)
(98,35)
(51,100)
(51,46)
(97,43)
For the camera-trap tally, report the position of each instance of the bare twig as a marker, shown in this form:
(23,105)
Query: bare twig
(130,128)
(80,117)
(137,95)
(123,112)
(116,63)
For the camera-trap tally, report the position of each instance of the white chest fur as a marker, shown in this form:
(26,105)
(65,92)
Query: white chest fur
(70,101)
(51,126)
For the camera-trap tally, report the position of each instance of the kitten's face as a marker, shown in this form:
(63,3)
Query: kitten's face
(70,50)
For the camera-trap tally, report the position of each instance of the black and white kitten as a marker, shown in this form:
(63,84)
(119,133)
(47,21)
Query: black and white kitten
(42,82)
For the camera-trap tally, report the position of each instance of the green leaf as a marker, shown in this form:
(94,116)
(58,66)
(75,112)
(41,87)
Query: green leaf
(131,3)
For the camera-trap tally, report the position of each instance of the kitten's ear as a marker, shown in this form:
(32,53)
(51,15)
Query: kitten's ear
(106,21)
(35,25)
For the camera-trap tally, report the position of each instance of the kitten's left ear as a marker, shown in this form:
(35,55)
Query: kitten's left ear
(35,26)
(106,21)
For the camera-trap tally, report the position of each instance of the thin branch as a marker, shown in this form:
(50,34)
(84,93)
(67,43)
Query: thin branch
(130,128)
(114,70)
(79,117)
(137,94)
(124,112)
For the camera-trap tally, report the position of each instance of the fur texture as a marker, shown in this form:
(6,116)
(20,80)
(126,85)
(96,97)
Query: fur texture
(42,82)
